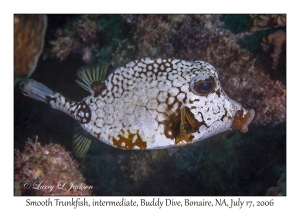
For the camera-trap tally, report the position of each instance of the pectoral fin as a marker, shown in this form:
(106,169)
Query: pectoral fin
(188,125)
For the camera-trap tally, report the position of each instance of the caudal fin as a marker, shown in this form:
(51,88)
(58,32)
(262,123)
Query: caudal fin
(78,110)
(36,90)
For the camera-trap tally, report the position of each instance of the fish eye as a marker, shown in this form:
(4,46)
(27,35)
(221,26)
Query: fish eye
(205,86)
(202,87)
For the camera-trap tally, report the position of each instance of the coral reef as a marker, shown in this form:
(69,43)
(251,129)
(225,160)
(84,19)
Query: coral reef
(47,170)
(29,34)
(152,34)
(97,38)
(62,47)
(264,22)
(276,39)
(80,36)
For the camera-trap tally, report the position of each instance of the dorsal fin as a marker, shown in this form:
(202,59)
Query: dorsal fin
(87,75)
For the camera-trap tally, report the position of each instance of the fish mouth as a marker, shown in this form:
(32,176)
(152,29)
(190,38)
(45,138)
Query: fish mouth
(242,119)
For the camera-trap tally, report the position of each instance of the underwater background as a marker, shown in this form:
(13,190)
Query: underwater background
(249,52)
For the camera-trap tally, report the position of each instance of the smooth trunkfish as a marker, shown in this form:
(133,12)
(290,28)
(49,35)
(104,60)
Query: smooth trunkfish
(148,104)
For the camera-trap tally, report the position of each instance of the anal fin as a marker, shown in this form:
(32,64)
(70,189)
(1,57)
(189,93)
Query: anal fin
(81,141)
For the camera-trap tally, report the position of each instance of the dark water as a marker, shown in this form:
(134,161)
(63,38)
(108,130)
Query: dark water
(230,163)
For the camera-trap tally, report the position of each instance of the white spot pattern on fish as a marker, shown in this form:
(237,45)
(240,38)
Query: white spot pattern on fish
(150,104)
